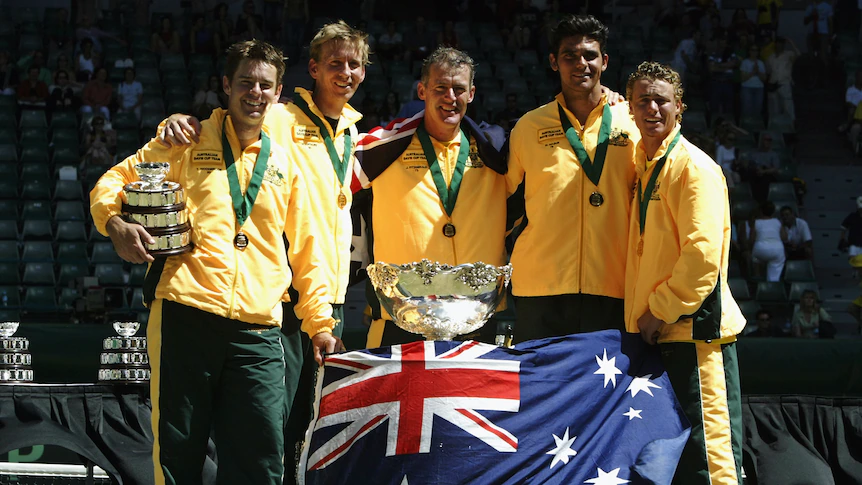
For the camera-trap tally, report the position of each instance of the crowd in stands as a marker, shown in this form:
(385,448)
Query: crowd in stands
(87,87)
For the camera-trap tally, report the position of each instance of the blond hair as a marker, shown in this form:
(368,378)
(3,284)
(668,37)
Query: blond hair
(340,32)
(654,71)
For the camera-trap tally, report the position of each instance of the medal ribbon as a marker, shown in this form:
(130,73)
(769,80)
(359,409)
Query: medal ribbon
(592,169)
(449,195)
(340,166)
(644,204)
(242,205)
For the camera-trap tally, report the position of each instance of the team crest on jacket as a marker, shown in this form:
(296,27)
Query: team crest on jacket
(474,161)
(618,138)
(273,176)
(654,195)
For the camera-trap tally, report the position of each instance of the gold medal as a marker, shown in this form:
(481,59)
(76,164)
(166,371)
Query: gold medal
(342,200)
(641,247)
(597,199)
(449,229)
(240,241)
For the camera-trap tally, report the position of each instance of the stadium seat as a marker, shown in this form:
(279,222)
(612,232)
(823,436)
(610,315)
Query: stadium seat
(9,230)
(72,252)
(9,252)
(71,231)
(35,171)
(137,274)
(103,252)
(31,118)
(781,190)
(137,300)
(39,299)
(110,274)
(8,208)
(32,152)
(8,152)
(796,289)
(66,154)
(9,274)
(69,272)
(33,135)
(749,309)
(69,210)
(39,274)
(34,230)
(125,121)
(68,299)
(68,190)
(38,252)
(36,210)
(65,134)
(771,292)
(739,288)
(13,299)
(799,271)
(64,119)
(36,189)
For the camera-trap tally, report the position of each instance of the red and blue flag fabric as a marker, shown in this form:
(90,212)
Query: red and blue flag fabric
(592,408)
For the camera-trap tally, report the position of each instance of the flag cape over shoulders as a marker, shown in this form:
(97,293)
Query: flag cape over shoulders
(590,408)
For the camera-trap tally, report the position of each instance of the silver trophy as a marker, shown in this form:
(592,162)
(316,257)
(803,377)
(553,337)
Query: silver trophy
(160,207)
(125,360)
(15,358)
(437,300)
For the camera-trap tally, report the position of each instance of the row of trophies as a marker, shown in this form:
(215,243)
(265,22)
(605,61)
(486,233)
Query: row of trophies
(123,360)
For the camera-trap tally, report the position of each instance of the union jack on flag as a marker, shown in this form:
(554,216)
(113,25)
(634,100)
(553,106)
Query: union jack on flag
(591,408)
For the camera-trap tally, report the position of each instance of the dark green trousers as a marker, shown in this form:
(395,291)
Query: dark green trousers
(213,374)
(552,316)
(299,382)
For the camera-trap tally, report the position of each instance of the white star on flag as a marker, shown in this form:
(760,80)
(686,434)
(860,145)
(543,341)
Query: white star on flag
(633,413)
(608,368)
(563,450)
(404,482)
(642,384)
(607,478)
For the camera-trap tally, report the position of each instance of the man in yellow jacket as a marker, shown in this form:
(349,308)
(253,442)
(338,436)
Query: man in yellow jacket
(214,339)
(676,277)
(318,130)
(573,160)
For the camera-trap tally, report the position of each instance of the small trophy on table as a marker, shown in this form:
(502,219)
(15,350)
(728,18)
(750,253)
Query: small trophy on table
(160,207)
(15,358)
(124,360)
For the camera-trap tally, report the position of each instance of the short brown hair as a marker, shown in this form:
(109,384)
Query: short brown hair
(654,71)
(447,58)
(340,32)
(255,50)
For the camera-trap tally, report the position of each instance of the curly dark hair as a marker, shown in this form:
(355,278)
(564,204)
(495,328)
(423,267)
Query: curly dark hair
(579,25)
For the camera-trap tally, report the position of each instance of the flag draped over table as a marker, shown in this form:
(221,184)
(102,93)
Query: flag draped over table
(591,408)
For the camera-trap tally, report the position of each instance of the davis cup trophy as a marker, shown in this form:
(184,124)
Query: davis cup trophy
(437,300)
(15,358)
(124,360)
(160,207)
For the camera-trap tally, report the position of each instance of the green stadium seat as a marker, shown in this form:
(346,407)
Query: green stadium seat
(72,252)
(110,274)
(34,153)
(9,274)
(103,252)
(39,299)
(35,230)
(8,152)
(9,230)
(797,287)
(38,252)
(64,119)
(69,210)
(8,209)
(799,271)
(137,274)
(39,274)
(739,288)
(68,299)
(9,252)
(71,231)
(68,190)
(36,189)
(69,272)
(771,292)
(31,118)
(36,210)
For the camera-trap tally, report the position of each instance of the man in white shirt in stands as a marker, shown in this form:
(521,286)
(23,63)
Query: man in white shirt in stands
(799,241)
(852,98)
(779,66)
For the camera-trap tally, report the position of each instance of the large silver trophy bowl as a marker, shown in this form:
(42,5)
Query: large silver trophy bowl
(437,300)
(160,207)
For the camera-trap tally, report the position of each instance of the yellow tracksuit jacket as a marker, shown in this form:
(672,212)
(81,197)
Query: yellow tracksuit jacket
(569,246)
(682,275)
(216,277)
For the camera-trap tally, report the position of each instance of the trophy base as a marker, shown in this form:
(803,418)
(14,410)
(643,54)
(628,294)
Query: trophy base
(164,253)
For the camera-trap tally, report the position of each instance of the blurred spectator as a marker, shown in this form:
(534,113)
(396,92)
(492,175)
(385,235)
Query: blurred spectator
(779,65)
(855,307)
(722,62)
(36,59)
(851,231)
(768,236)
(100,145)
(32,92)
(390,44)
(764,326)
(273,16)
(202,39)
(818,18)
(511,113)
(753,73)
(799,241)
(419,42)
(448,37)
(391,107)
(810,320)
(765,168)
(529,17)
(726,155)
(413,106)
(60,34)
(98,94)
(686,55)
(767,14)
(86,62)
(8,75)
(296,17)
(222,26)
(62,95)
(86,30)
(130,94)
(852,100)
(249,25)
(517,36)
(166,39)
(740,24)
(208,98)
(64,65)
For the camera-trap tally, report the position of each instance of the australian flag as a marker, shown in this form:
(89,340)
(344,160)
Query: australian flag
(591,408)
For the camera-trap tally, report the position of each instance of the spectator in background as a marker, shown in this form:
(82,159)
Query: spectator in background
(741,25)
(779,66)
(529,17)
(413,106)
(63,65)
(98,94)
(419,42)
(222,27)
(852,100)
(208,98)
(511,112)
(166,39)
(249,25)
(799,241)
(726,155)
(765,167)
(391,107)
(810,320)
(768,236)
(851,231)
(767,14)
(390,44)
(721,62)
(765,327)
(36,59)
(130,94)
(8,75)
(60,34)
(86,30)
(685,56)
(753,73)
(32,92)
(818,18)
(448,37)
(86,62)
(202,39)
(62,96)
(296,17)
(100,145)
